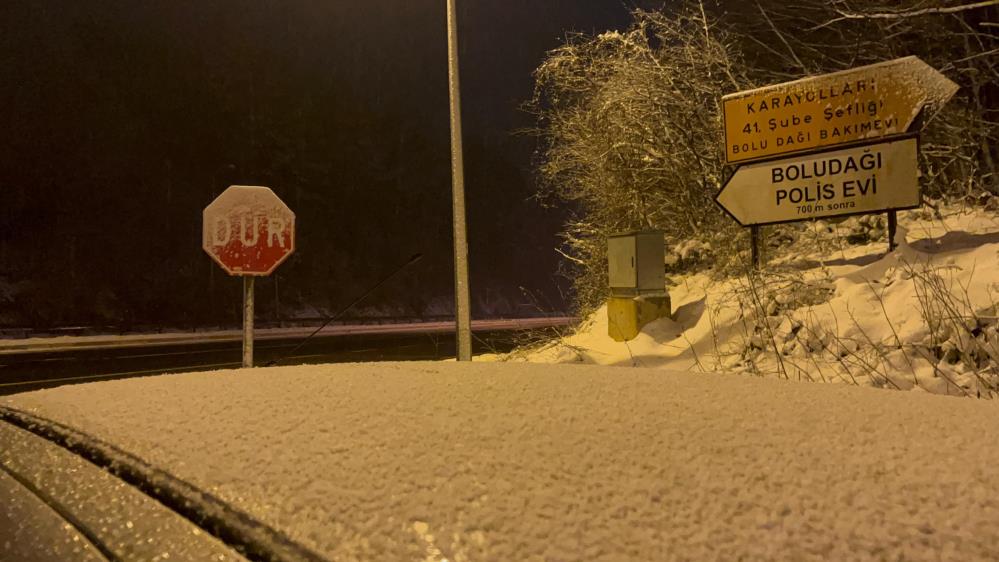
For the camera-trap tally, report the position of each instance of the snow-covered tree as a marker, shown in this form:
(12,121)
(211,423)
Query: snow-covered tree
(629,125)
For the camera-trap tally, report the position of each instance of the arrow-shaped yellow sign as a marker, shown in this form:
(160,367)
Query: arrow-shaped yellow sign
(863,103)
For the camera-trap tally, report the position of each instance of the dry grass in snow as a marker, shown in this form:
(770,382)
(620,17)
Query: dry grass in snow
(923,317)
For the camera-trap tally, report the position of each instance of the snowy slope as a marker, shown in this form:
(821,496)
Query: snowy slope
(923,317)
(501,461)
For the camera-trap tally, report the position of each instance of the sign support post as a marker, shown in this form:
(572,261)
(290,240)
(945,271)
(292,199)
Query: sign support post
(754,243)
(247,321)
(892,228)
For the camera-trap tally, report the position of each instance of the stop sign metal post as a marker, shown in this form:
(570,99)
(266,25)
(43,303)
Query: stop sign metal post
(248,231)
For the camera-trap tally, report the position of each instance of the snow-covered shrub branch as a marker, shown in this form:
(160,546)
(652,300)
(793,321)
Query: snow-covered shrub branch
(791,329)
(629,125)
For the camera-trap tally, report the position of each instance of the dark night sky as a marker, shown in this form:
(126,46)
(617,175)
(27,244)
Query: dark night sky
(121,120)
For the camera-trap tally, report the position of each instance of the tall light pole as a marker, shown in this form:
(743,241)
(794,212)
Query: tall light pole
(463,318)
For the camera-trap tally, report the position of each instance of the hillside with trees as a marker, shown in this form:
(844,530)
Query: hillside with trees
(629,122)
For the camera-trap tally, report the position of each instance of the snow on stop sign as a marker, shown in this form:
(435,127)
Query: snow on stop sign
(248,230)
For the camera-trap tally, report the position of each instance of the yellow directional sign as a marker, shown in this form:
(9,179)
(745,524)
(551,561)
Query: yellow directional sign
(861,179)
(867,102)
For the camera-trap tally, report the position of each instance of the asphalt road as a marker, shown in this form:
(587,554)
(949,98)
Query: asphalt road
(32,365)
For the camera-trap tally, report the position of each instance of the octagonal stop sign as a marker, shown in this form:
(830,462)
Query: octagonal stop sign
(248,230)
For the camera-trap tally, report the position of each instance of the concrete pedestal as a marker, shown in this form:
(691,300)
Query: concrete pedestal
(627,315)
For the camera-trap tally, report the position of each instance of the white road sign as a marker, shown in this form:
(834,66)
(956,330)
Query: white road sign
(862,179)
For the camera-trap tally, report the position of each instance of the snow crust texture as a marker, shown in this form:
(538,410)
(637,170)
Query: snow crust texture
(504,461)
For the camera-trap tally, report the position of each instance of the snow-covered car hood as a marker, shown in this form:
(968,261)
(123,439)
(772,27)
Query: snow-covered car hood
(435,461)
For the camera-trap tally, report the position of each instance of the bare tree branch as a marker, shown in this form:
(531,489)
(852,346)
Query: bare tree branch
(844,15)
(780,35)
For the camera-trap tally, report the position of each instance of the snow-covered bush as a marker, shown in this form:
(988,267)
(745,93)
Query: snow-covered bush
(629,124)
(947,344)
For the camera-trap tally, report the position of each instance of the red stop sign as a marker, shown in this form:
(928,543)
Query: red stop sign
(248,230)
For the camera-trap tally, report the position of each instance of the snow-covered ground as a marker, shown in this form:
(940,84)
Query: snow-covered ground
(500,461)
(921,318)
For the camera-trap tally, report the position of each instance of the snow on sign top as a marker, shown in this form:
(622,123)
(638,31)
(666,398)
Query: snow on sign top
(862,103)
(248,230)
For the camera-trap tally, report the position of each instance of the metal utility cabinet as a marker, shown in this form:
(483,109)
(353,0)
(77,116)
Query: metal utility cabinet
(636,272)
(636,263)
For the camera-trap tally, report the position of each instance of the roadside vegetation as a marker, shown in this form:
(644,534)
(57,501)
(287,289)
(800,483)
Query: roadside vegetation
(924,317)
(629,122)
(630,133)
